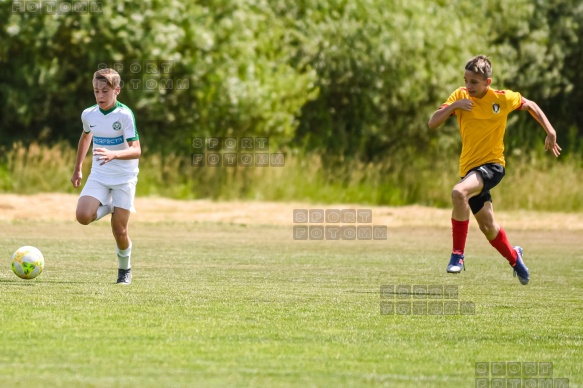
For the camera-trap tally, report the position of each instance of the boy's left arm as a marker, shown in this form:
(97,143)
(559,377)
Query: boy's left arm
(133,151)
(538,114)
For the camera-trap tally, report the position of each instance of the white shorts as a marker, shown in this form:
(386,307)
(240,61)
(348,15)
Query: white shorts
(121,196)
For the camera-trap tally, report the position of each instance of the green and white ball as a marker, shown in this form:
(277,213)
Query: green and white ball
(28,262)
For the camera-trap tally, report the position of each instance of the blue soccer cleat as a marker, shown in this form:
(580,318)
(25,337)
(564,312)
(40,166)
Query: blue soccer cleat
(520,269)
(456,263)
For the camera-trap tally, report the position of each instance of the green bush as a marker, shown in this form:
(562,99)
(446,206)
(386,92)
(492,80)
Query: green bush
(351,83)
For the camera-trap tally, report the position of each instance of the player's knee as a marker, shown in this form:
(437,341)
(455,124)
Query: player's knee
(120,231)
(458,196)
(84,218)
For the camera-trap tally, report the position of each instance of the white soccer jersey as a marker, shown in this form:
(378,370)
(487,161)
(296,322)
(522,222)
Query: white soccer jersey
(112,129)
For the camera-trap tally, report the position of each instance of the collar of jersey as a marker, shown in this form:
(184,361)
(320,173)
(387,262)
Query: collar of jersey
(488,92)
(117,104)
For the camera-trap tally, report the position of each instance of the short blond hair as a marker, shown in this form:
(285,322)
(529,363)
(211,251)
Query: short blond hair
(480,64)
(109,76)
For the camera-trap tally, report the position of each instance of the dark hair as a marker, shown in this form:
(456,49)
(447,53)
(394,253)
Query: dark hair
(480,64)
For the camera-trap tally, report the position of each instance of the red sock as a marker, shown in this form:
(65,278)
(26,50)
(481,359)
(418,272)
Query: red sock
(503,246)
(459,231)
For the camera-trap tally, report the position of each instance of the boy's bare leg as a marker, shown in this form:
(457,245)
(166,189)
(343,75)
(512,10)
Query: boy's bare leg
(87,209)
(469,187)
(497,238)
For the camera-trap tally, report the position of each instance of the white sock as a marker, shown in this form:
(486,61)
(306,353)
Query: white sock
(123,257)
(103,210)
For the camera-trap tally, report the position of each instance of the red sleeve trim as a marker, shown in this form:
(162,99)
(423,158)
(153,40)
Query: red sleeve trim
(521,103)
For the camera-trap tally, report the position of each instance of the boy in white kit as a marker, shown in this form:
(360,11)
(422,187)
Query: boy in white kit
(111,185)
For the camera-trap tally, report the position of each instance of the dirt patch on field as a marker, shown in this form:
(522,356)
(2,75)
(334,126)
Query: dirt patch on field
(61,207)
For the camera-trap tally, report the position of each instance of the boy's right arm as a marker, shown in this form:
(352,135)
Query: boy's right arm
(84,143)
(442,114)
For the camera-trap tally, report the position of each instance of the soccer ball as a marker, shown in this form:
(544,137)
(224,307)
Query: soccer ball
(27,262)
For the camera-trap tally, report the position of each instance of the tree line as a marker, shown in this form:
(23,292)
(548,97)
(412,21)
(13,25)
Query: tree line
(354,79)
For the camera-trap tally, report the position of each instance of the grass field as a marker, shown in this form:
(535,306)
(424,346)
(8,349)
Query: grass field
(240,303)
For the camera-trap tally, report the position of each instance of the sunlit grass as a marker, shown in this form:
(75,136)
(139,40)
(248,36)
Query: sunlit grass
(235,305)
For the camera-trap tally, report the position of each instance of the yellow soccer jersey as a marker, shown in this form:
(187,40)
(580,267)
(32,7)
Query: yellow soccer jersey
(482,129)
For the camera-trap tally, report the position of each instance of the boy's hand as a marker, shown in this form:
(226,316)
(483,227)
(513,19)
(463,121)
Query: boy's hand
(551,144)
(104,155)
(464,104)
(76,179)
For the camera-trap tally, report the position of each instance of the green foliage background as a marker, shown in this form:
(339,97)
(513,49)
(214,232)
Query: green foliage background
(349,81)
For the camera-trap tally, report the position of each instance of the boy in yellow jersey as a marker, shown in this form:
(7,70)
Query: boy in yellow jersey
(481,114)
